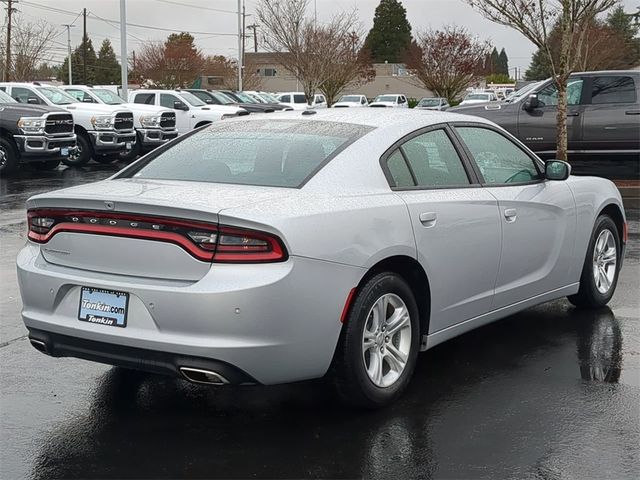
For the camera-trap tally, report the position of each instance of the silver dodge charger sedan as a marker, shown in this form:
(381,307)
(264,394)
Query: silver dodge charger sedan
(340,243)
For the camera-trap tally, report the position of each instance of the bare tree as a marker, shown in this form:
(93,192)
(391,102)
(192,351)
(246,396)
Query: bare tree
(307,49)
(535,20)
(31,45)
(447,61)
(349,65)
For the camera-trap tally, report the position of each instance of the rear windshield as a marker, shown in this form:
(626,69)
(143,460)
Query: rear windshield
(274,153)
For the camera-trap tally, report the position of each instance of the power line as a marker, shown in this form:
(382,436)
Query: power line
(197,6)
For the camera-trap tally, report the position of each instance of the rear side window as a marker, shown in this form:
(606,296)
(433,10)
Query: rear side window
(399,171)
(277,153)
(613,89)
(499,159)
(299,99)
(146,98)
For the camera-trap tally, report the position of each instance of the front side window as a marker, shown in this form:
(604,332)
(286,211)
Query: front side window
(22,95)
(168,101)
(499,159)
(285,98)
(433,160)
(146,98)
(613,89)
(277,153)
(299,99)
(548,96)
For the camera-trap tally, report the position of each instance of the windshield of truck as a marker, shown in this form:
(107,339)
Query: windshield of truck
(108,96)
(6,98)
(386,98)
(191,99)
(478,96)
(57,96)
(429,102)
(350,98)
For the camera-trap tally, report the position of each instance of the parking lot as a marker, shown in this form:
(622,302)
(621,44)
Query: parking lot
(551,392)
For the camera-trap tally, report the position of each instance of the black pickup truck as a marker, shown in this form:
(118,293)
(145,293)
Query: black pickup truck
(603,121)
(40,135)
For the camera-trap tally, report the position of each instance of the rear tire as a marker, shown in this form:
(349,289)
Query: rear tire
(601,266)
(83,154)
(375,356)
(8,157)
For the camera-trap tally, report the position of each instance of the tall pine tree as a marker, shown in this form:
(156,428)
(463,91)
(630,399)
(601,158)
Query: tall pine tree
(107,68)
(390,38)
(77,64)
(503,63)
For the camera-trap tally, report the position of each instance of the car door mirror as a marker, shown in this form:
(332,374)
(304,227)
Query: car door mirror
(532,102)
(178,105)
(208,101)
(557,170)
(33,101)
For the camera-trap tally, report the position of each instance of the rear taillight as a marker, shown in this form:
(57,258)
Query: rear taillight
(204,241)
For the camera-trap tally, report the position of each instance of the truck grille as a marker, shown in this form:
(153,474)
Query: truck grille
(59,123)
(124,121)
(168,120)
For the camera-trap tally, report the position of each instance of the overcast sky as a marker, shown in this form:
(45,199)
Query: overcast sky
(214,23)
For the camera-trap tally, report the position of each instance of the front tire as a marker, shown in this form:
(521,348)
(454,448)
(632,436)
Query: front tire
(378,347)
(83,153)
(8,157)
(601,266)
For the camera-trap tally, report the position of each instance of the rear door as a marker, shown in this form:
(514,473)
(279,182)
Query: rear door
(537,217)
(612,114)
(537,127)
(455,222)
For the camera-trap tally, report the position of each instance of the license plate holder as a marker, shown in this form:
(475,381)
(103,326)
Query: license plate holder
(128,145)
(104,307)
(64,151)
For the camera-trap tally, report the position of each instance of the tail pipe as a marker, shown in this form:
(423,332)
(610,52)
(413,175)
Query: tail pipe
(198,375)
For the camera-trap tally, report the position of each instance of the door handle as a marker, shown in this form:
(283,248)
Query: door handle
(632,112)
(510,214)
(428,219)
(573,114)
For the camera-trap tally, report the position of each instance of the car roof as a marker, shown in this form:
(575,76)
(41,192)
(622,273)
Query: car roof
(380,119)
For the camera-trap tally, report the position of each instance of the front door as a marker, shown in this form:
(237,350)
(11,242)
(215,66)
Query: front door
(183,117)
(537,127)
(537,216)
(456,225)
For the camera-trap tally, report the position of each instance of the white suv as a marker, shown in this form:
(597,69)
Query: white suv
(154,125)
(102,130)
(191,112)
(390,100)
(298,100)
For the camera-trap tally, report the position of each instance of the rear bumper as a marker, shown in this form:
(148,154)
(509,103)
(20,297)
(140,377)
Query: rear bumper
(112,140)
(276,322)
(163,363)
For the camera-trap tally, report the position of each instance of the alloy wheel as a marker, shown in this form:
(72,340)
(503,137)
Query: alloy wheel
(3,156)
(604,261)
(386,340)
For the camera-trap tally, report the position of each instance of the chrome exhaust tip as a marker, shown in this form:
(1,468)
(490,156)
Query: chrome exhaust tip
(39,345)
(197,375)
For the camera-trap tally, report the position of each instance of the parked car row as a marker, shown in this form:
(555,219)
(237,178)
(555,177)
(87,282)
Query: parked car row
(44,124)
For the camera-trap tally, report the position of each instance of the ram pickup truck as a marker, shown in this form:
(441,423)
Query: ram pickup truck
(35,134)
(191,112)
(154,125)
(603,120)
(100,129)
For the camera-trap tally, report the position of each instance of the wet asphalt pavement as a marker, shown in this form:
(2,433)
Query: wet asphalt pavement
(550,393)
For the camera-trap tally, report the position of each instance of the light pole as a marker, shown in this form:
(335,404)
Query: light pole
(69,50)
(124,66)
(240,41)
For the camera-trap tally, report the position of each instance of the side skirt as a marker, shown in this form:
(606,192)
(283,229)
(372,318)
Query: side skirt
(445,334)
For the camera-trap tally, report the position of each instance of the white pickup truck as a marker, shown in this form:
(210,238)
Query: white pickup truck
(100,129)
(154,125)
(191,112)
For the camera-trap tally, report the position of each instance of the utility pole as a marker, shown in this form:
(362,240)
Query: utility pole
(240,41)
(84,46)
(255,36)
(123,51)
(7,62)
(69,50)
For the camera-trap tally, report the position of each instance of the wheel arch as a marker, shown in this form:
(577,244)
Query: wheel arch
(614,211)
(7,135)
(202,123)
(411,271)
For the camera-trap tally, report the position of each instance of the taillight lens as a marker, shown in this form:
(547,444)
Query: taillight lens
(204,241)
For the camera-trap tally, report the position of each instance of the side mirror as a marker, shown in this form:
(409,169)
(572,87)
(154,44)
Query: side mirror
(87,100)
(557,170)
(532,102)
(178,105)
(208,101)
(33,101)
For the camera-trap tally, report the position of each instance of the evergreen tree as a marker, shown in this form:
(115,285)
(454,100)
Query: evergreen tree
(390,38)
(539,69)
(77,64)
(494,64)
(625,27)
(503,63)
(107,69)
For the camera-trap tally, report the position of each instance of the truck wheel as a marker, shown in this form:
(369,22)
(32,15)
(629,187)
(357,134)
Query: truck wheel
(8,157)
(51,165)
(83,153)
